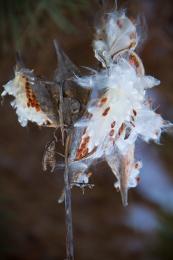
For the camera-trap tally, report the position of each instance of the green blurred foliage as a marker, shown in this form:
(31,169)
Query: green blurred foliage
(19,18)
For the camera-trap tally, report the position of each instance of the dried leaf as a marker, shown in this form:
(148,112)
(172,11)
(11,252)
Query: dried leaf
(49,158)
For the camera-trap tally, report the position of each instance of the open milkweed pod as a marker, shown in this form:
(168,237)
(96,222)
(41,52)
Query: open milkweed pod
(125,169)
(118,112)
(64,74)
(124,92)
(66,67)
(32,99)
(72,98)
(117,118)
(133,59)
(117,33)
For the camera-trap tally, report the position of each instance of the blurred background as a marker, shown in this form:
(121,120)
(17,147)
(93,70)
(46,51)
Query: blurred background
(31,220)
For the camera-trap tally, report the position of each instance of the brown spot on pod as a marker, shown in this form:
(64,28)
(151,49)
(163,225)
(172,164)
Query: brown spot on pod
(78,154)
(137,165)
(134,112)
(82,147)
(138,179)
(128,132)
(121,129)
(103,101)
(82,152)
(105,112)
(111,133)
(135,61)
(113,124)
(84,142)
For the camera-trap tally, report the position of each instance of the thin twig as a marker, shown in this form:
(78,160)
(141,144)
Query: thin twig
(68,210)
(61,118)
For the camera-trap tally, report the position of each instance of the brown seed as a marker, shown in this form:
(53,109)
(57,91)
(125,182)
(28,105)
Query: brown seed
(121,129)
(133,60)
(103,100)
(111,133)
(81,153)
(134,112)
(113,124)
(106,111)
(136,165)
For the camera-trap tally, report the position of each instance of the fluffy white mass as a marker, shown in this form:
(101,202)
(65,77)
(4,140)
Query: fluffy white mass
(124,92)
(117,114)
(24,110)
(119,111)
(115,35)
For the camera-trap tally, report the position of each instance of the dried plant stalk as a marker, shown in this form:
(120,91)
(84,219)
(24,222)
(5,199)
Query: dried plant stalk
(68,207)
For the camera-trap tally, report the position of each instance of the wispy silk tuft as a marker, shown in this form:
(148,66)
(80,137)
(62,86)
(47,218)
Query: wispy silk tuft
(119,111)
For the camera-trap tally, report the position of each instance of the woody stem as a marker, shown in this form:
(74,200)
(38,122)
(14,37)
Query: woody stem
(68,208)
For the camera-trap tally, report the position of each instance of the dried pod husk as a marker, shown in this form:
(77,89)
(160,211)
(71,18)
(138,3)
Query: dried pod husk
(73,99)
(32,99)
(116,34)
(49,157)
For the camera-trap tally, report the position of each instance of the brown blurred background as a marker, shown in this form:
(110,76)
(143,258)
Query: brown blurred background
(31,221)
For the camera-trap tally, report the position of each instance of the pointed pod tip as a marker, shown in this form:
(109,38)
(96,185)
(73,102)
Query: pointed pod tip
(125,203)
(19,60)
(124,197)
